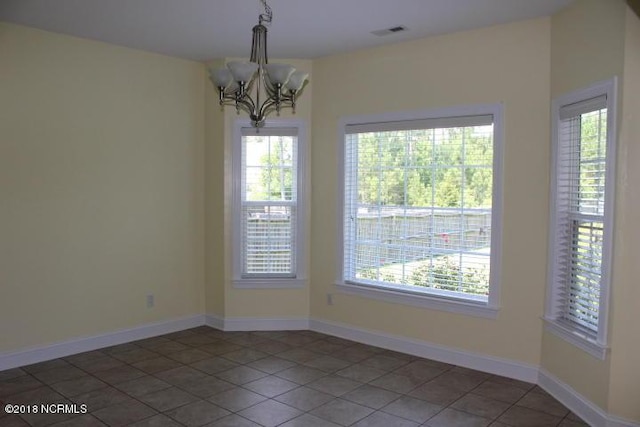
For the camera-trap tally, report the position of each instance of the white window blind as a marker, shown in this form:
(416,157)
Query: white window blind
(269,202)
(582,213)
(418,198)
(581,190)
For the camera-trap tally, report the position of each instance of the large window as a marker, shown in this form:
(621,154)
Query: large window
(582,215)
(420,203)
(268,210)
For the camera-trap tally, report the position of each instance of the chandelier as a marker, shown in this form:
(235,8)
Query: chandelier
(243,84)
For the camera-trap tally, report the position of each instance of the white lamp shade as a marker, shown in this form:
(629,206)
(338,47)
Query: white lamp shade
(233,87)
(242,71)
(296,80)
(220,77)
(279,73)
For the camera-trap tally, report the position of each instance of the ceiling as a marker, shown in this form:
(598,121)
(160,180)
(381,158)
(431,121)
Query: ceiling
(206,29)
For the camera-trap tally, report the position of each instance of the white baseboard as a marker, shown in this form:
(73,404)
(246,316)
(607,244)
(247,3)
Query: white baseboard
(258,324)
(577,403)
(580,405)
(573,400)
(214,321)
(570,398)
(481,362)
(66,348)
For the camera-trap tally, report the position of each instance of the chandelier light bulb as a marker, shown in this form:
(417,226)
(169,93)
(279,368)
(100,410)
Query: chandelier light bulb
(279,73)
(296,81)
(221,77)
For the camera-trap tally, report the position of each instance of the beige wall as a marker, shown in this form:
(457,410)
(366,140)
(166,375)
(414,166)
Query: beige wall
(587,44)
(215,202)
(248,303)
(624,384)
(508,64)
(101,187)
(581,56)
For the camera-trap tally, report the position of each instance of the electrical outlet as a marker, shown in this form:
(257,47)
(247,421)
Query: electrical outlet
(329,299)
(150,301)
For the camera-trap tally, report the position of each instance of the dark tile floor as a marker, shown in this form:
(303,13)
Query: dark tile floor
(203,376)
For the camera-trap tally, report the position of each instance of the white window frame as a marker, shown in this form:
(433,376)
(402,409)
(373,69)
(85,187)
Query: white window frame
(300,280)
(594,344)
(396,294)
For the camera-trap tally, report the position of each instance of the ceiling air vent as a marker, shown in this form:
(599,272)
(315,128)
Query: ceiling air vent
(388,31)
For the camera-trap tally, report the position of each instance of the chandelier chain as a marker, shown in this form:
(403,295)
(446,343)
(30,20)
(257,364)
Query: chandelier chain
(267,15)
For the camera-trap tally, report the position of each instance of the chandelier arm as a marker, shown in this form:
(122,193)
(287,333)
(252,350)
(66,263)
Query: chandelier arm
(273,108)
(269,110)
(228,101)
(243,96)
(270,90)
(231,101)
(246,104)
(246,100)
(264,108)
(244,107)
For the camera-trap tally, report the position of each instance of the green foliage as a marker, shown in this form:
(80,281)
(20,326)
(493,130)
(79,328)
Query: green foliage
(376,274)
(592,148)
(368,273)
(276,177)
(442,274)
(417,168)
(449,189)
(447,275)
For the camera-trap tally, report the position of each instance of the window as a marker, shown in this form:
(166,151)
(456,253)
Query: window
(422,206)
(582,214)
(268,208)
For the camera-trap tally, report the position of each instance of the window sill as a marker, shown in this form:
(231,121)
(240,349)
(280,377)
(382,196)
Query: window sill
(419,300)
(284,283)
(576,338)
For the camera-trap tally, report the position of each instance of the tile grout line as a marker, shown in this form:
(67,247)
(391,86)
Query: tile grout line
(251,341)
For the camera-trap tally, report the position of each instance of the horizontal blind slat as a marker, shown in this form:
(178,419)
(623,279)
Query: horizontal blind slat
(583,107)
(268,131)
(444,122)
